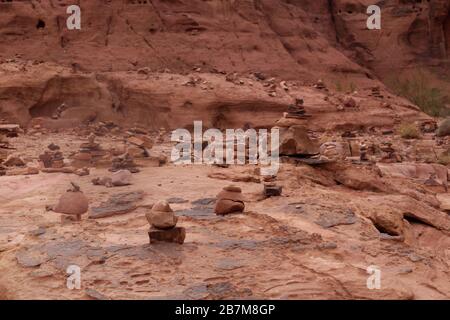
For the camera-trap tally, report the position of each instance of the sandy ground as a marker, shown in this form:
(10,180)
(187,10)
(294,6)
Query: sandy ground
(274,250)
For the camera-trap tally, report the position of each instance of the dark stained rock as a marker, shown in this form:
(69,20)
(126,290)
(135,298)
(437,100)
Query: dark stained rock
(175,235)
(271,190)
(117,204)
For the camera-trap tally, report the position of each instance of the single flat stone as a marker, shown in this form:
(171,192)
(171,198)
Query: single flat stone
(94,294)
(333,219)
(176,200)
(117,204)
(204,202)
(30,259)
(175,235)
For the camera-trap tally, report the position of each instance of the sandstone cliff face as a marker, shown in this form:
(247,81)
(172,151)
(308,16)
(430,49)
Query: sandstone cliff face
(45,65)
(413,34)
(281,37)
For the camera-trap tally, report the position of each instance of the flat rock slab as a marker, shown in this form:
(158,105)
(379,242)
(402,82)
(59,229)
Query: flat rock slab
(175,235)
(206,202)
(197,212)
(117,204)
(314,162)
(333,219)
(30,259)
(176,200)
(444,200)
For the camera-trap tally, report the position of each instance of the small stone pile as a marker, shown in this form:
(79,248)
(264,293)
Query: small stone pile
(90,153)
(52,158)
(389,154)
(376,92)
(10,130)
(124,162)
(4,146)
(363,151)
(163,223)
(229,200)
(59,111)
(72,203)
(296,111)
(320,85)
(428,126)
(272,190)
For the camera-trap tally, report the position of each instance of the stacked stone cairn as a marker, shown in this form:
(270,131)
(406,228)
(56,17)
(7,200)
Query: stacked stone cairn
(90,153)
(52,158)
(163,223)
(296,111)
(229,200)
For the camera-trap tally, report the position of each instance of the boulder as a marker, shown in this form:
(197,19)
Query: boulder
(121,178)
(14,161)
(444,128)
(73,203)
(162,216)
(295,141)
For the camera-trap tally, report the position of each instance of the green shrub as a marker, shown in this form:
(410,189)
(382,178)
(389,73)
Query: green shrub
(418,89)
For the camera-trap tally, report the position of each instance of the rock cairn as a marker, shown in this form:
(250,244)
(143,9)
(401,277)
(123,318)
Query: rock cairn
(58,112)
(73,203)
(163,223)
(376,92)
(320,85)
(229,200)
(296,111)
(52,158)
(272,190)
(388,153)
(90,153)
(124,162)
(363,151)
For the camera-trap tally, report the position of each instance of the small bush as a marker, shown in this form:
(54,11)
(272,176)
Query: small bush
(409,131)
(418,89)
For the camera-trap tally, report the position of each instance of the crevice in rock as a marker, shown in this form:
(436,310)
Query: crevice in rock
(40,24)
(382,229)
(414,220)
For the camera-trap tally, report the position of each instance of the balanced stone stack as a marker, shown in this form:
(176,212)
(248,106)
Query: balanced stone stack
(90,153)
(320,85)
(376,92)
(4,146)
(389,153)
(72,203)
(124,162)
(229,200)
(363,151)
(10,130)
(59,111)
(272,190)
(52,158)
(163,223)
(296,111)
